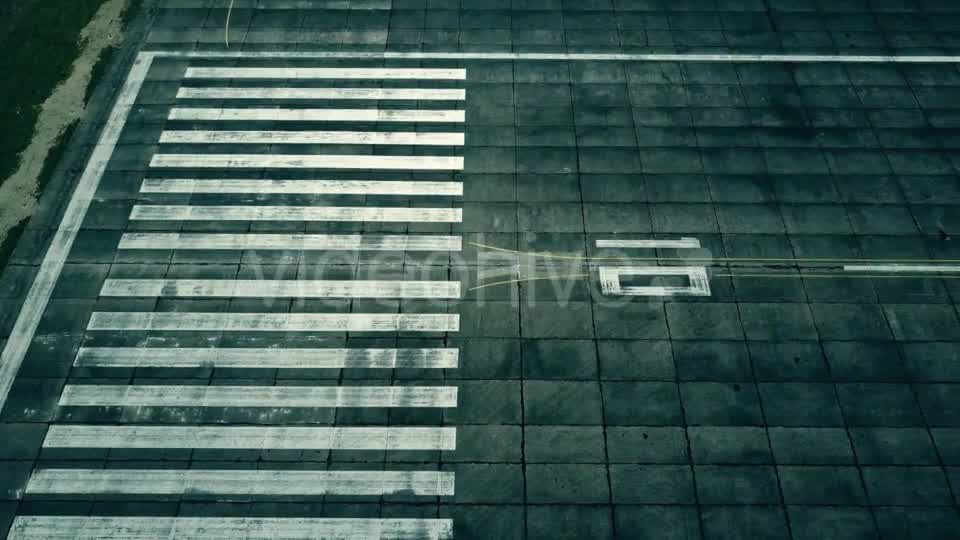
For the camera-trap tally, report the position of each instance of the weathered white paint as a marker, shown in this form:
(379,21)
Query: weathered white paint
(683,243)
(597,57)
(317,115)
(610,280)
(272,358)
(252,437)
(408,138)
(901,268)
(275,322)
(324,73)
(194,482)
(296,213)
(307,161)
(35,303)
(303,187)
(96,395)
(297,242)
(288,288)
(219,528)
(393,94)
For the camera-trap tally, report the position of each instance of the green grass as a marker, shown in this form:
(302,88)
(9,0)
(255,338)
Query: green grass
(37,54)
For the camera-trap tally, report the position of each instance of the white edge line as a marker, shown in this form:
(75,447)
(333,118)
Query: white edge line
(624,57)
(900,268)
(37,298)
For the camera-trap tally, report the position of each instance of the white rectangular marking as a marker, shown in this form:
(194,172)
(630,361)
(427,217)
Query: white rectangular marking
(683,243)
(699,282)
(297,242)
(305,187)
(399,94)
(900,268)
(140,357)
(308,161)
(408,138)
(256,288)
(252,437)
(296,213)
(317,115)
(324,73)
(96,395)
(275,322)
(600,57)
(238,482)
(219,528)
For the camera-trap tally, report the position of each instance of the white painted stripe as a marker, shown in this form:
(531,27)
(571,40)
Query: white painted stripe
(298,242)
(276,322)
(308,161)
(238,482)
(399,94)
(286,4)
(296,213)
(615,57)
(21,335)
(98,395)
(218,528)
(290,288)
(307,187)
(899,268)
(252,437)
(317,115)
(313,137)
(683,243)
(140,357)
(324,73)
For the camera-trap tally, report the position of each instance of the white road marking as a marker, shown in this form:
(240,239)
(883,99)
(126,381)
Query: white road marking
(298,242)
(220,528)
(317,115)
(252,438)
(410,138)
(600,57)
(324,73)
(275,322)
(898,268)
(97,395)
(398,94)
(307,161)
(273,358)
(307,187)
(610,280)
(35,303)
(289,288)
(683,243)
(189,483)
(296,213)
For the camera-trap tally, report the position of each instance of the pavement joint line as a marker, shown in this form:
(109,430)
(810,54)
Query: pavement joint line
(618,57)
